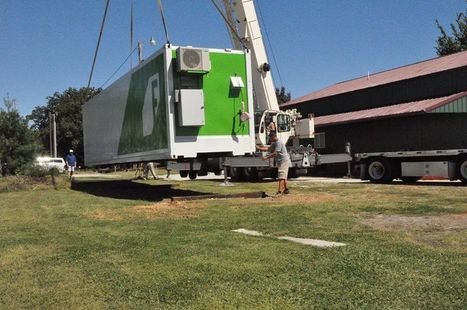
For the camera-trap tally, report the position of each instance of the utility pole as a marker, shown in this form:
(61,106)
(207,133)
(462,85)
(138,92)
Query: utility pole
(53,135)
(50,136)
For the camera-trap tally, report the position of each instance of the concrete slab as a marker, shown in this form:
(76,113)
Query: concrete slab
(313,242)
(304,241)
(248,232)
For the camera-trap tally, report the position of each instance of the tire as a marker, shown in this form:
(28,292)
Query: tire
(379,171)
(250,174)
(463,170)
(183,173)
(236,173)
(409,179)
(192,174)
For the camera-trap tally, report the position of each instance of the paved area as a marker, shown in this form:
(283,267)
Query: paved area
(326,180)
(95,175)
(211,176)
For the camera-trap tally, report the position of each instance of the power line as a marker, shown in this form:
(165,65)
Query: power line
(115,72)
(270,45)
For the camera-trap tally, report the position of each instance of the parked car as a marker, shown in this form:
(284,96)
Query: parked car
(51,162)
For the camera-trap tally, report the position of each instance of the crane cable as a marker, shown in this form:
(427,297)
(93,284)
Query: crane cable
(270,45)
(98,41)
(161,9)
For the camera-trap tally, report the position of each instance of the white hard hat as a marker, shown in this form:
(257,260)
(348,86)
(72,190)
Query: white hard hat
(71,151)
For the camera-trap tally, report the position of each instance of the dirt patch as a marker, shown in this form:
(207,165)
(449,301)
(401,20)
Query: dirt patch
(281,200)
(425,223)
(165,209)
(160,210)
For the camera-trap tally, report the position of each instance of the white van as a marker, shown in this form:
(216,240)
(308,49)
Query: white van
(51,162)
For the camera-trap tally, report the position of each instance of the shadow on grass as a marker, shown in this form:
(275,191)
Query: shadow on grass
(127,189)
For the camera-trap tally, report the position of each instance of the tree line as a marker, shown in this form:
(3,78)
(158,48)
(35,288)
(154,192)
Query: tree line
(24,138)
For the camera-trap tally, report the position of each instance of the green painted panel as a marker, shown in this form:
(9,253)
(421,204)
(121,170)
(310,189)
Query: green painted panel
(457,106)
(145,127)
(222,107)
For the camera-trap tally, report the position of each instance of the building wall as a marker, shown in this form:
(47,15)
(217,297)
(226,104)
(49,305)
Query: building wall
(420,132)
(426,87)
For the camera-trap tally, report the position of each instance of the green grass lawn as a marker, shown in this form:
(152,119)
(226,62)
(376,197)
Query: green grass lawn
(117,244)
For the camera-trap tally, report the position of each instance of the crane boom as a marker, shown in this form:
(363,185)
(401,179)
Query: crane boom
(245,33)
(242,15)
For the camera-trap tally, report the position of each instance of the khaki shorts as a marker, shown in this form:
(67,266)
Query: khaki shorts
(283,169)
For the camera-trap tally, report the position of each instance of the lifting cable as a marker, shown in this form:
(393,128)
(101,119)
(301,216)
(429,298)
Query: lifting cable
(131,33)
(98,41)
(269,43)
(159,3)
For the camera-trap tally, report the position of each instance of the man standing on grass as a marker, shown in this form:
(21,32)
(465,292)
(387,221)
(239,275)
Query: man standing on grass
(278,150)
(71,163)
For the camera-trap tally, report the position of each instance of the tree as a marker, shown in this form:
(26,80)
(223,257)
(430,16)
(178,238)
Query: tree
(10,103)
(447,44)
(67,108)
(282,95)
(18,145)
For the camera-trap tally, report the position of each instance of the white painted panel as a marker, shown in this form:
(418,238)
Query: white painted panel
(191,107)
(425,168)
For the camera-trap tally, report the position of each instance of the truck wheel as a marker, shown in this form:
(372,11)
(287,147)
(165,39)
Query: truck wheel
(235,173)
(250,173)
(192,174)
(463,171)
(183,173)
(379,171)
(410,179)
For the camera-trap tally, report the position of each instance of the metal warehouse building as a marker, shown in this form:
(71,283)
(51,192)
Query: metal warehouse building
(422,106)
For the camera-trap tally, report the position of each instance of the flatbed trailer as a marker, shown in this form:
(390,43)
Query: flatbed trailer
(410,166)
(252,167)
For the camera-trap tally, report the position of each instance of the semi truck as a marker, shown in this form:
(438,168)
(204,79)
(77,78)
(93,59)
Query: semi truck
(410,166)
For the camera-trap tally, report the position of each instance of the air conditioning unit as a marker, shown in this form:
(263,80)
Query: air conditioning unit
(193,59)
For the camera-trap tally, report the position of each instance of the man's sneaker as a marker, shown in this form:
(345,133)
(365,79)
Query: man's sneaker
(286,191)
(279,193)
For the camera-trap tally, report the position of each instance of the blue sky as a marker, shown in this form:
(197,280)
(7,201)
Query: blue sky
(48,45)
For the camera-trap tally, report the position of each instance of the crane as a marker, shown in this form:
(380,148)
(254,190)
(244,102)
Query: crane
(245,32)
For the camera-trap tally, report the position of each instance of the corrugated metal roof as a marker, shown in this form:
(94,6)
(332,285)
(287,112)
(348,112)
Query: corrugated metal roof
(422,106)
(398,74)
